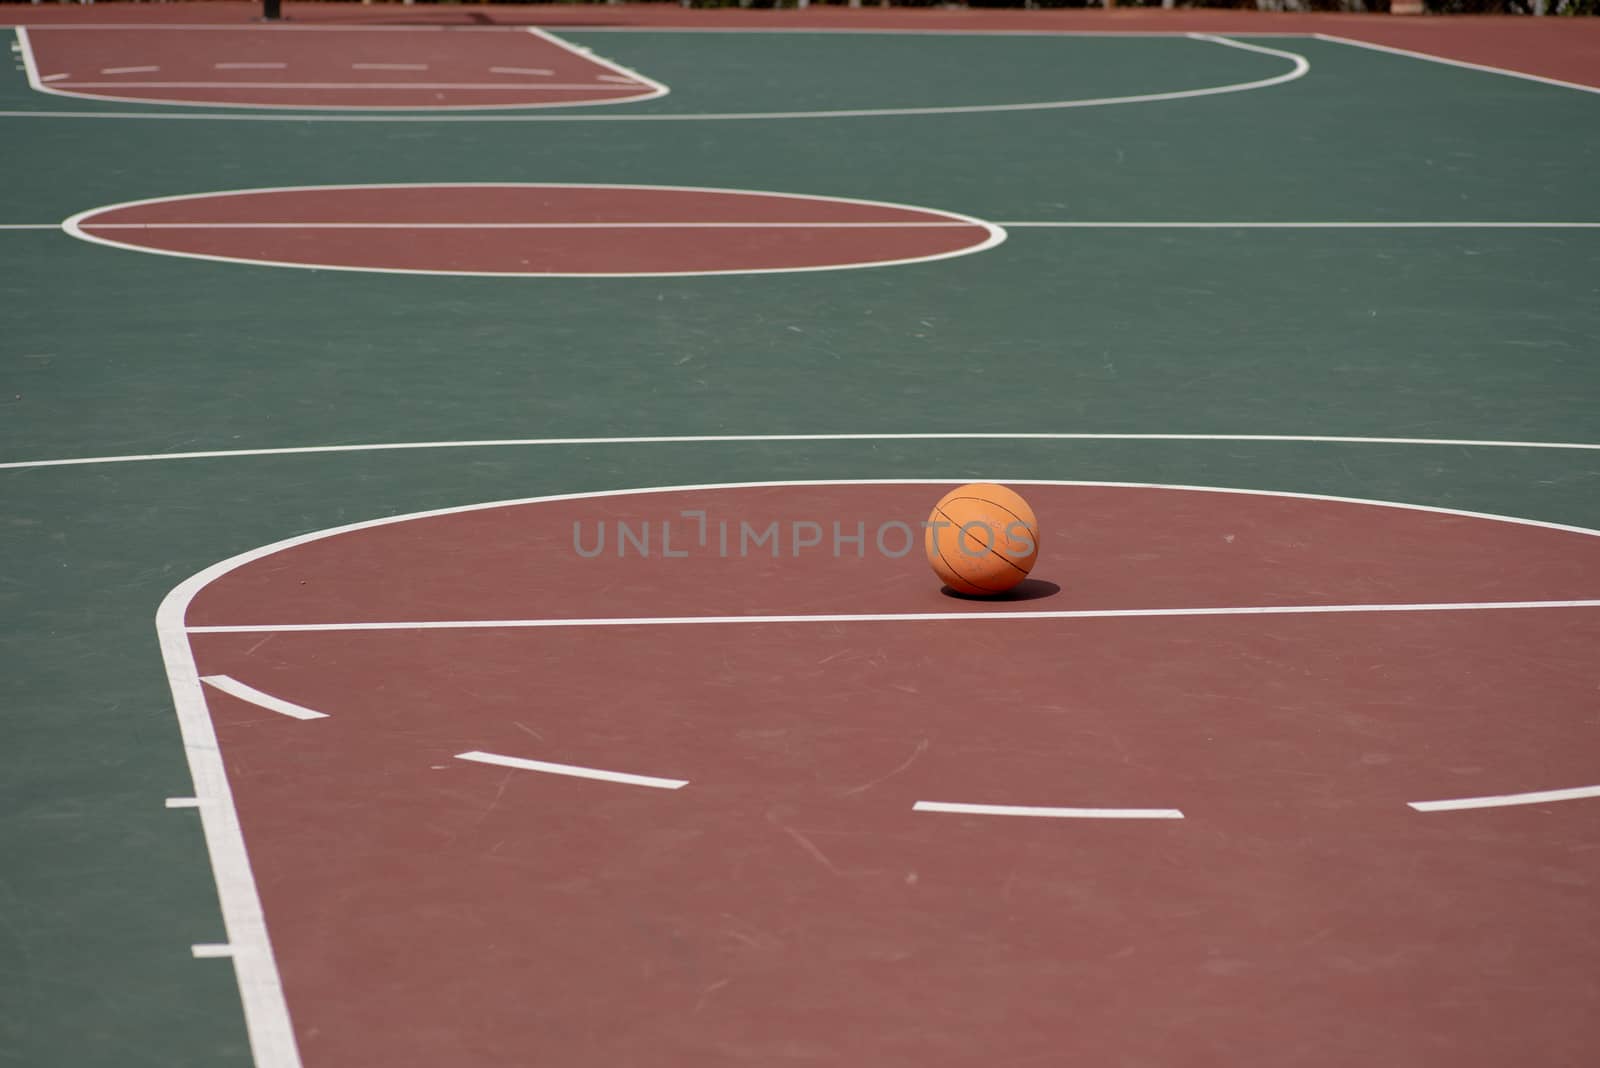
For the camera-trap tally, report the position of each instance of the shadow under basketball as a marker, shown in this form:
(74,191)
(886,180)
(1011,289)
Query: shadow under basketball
(1027,590)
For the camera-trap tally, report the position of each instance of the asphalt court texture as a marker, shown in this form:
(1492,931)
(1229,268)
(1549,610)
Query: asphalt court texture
(789,900)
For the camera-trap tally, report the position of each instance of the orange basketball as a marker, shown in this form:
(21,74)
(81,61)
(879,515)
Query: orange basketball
(982,539)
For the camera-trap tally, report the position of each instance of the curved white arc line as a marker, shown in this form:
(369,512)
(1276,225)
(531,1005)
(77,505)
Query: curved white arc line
(720,439)
(202,578)
(74,225)
(887,617)
(266,1012)
(1538,797)
(488,87)
(1049,812)
(1300,68)
(249,694)
(378,109)
(651,89)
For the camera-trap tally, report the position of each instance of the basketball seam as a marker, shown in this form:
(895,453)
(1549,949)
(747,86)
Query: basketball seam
(1032,527)
(990,549)
(945,560)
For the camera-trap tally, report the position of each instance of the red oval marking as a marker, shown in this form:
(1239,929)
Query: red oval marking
(536,229)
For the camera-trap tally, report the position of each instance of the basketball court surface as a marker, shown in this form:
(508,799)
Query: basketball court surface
(461,484)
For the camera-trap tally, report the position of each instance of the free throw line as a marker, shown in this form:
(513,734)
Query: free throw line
(884,617)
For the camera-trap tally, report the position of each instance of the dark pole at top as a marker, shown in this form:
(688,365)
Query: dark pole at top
(271,10)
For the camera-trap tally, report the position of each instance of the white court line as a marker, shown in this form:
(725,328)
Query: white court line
(250,66)
(388,66)
(1506,800)
(573,771)
(1009,224)
(887,617)
(752,224)
(1050,812)
(1303,225)
(54,77)
(1243,31)
(633,77)
(319,86)
(261,993)
(127,70)
(521,70)
(625,80)
(471,113)
(74,225)
(266,1013)
(30,65)
(229,685)
(737,439)
(183,802)
(1485,68)
(208,950)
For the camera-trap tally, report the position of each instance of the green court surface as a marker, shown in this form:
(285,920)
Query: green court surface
(1456,334)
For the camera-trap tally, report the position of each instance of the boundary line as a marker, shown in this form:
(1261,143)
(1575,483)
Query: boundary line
(30,65)
(80,224)
(1050,812)
(660,88)
(260,989)
(879,617)
(1506,800)
(756,439)
(1300,67)
(266,1013)
(1482,67)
